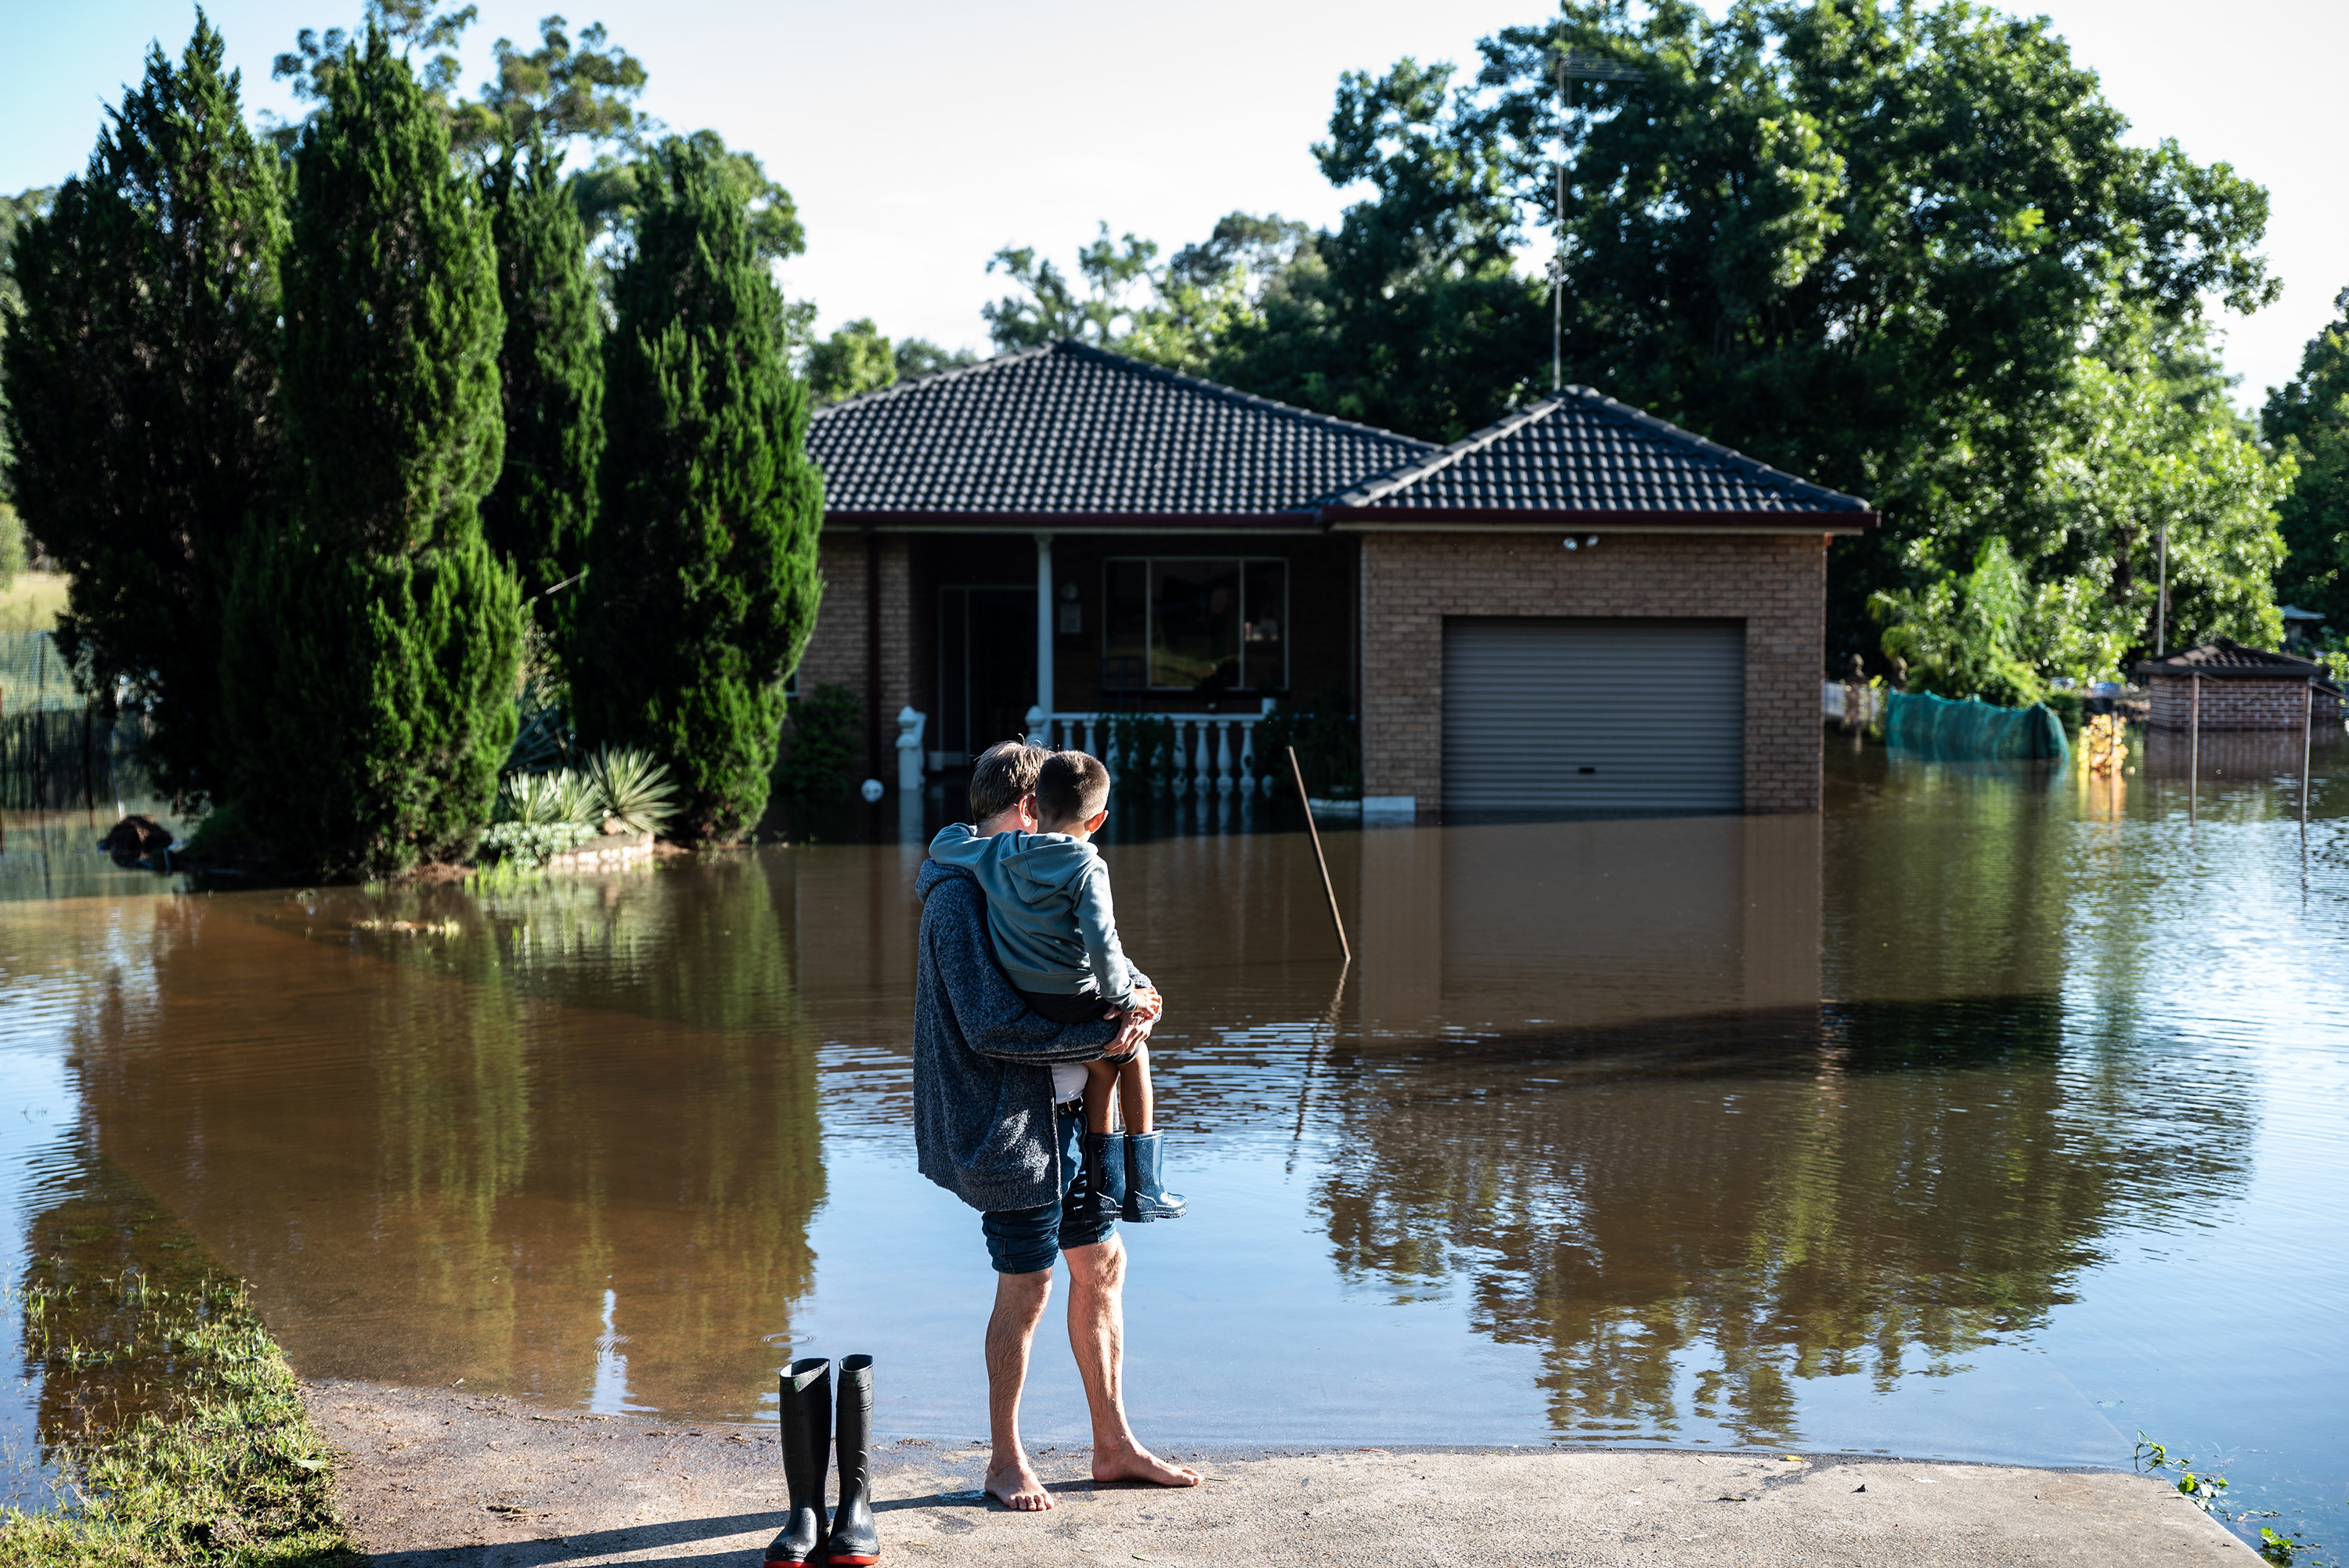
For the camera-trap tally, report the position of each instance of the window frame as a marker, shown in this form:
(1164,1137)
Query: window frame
(1150,615)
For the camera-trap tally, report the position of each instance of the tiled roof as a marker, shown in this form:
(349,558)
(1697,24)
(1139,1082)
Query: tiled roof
(1581,452)
(1067,429)
(2225,657)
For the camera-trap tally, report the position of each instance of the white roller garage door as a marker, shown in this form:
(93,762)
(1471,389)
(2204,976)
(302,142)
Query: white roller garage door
(1578,715)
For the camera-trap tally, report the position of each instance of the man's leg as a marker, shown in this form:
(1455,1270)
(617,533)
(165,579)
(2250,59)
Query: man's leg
(1097,1334)
(1019,1301)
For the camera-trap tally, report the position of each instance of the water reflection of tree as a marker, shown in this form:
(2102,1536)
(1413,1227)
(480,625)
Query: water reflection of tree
(1875,1190)
(435,1156)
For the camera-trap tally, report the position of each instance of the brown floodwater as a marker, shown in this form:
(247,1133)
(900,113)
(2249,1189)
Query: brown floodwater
(1995,1113)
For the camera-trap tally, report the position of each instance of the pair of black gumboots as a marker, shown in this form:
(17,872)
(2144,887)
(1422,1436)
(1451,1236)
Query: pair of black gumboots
(849,1540)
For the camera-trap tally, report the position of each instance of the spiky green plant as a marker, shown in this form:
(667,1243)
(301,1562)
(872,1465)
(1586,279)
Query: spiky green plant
(632,787)
(548,799)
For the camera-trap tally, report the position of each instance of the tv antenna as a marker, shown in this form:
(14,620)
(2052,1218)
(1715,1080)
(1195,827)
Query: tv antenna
(1572,65)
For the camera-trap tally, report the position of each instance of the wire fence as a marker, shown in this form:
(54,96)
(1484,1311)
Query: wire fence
(57,751)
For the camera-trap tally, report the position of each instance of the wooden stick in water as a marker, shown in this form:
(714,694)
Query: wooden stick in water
(1298,773)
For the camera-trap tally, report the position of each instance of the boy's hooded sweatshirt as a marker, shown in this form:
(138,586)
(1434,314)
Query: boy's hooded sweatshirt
(1048,910)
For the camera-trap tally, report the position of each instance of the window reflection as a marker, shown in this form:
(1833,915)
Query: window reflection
(1198,624)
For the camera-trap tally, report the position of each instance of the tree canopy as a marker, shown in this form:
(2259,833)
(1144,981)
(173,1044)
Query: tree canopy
(702,585)
(1887,248)
(2308,420)
(372,638)
(139,369)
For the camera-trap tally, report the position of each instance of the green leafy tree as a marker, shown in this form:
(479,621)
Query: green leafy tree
(702,585)
(2308,419)
(551,371)
(2140,443)
(1117,275)
(858,358)
(1870,244)
(311,65)
(15,213)
(610,193)
(374,639)
(141,381)
(559,93)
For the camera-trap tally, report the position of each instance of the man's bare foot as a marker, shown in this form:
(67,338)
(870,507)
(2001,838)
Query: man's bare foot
(1138,1463)
(1017,1487)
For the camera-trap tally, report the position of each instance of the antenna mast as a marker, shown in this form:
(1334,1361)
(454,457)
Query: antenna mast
(1573,65)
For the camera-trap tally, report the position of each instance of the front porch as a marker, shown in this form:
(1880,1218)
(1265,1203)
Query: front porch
(1072,636)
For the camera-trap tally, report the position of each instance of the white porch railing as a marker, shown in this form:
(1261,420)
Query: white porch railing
(1213,753)
(1852,702)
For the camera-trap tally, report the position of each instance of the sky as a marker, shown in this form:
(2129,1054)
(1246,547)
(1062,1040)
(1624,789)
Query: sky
(920,137)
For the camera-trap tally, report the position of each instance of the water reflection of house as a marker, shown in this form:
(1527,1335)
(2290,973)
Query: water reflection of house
(1581,607)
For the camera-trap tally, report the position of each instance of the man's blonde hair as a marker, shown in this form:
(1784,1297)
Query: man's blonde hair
(1001,775)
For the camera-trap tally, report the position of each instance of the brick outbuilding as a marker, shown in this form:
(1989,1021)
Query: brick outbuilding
(2230,687)
(1579,609)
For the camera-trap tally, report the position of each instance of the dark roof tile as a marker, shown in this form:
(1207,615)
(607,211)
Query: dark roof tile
(1582,451)
(2225,657)
(1070,429)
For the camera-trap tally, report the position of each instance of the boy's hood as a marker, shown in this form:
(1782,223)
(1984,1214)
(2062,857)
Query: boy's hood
(1030,867)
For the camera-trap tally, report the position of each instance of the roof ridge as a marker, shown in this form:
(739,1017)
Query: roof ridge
(933,377)
(1232,394)
(1403,475)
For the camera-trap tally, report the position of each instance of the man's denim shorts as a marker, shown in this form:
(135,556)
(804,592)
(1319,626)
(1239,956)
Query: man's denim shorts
(1029,1241)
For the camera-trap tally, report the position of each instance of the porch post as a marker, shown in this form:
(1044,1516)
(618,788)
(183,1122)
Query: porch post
(1044,624)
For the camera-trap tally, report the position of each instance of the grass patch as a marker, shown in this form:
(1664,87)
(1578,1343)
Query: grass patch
(173,1418)
(31,603)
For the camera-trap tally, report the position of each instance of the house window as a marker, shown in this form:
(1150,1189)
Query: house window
(1198,623)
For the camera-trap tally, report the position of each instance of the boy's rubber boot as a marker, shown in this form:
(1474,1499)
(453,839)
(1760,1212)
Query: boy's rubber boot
(1105,1172)
(1146,1197)
(807,1430)
(854,1540)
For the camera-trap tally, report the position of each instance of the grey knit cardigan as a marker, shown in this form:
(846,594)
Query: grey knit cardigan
(982,1062)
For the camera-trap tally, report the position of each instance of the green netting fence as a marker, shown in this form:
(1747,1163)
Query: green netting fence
(1973,730)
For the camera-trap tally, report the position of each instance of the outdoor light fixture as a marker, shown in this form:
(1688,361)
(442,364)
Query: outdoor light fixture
(1587,542)
(872,792)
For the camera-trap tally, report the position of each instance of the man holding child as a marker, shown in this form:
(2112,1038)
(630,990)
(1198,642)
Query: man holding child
(1002,1095)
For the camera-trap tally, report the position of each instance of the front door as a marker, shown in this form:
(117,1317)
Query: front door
(987,668)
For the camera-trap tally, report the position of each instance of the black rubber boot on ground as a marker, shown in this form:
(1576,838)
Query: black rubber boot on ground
(807,1430)
(1146,1197)
(854,1541)
(1105,1172)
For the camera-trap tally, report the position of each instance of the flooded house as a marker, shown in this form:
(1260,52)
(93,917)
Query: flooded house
(1579,608)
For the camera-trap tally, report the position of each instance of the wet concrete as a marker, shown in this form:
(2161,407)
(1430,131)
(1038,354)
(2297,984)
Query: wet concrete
(437,1476)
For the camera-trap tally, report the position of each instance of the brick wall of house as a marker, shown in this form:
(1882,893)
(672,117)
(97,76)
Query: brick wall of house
(2236,702)
(1776,585)
(835,654)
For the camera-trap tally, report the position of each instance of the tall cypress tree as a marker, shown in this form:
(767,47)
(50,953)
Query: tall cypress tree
(140,377)
(551,365)
(373,641)
(702,587)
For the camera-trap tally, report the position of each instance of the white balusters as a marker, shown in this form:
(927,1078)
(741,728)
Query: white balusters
(1203,755)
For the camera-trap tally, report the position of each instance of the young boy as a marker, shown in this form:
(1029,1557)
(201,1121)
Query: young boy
(1049,913)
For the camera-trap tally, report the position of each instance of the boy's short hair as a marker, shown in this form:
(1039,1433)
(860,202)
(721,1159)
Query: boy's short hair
(1000,775)
(1071,786)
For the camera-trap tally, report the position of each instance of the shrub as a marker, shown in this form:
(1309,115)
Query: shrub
(1322,731)
(819,761)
